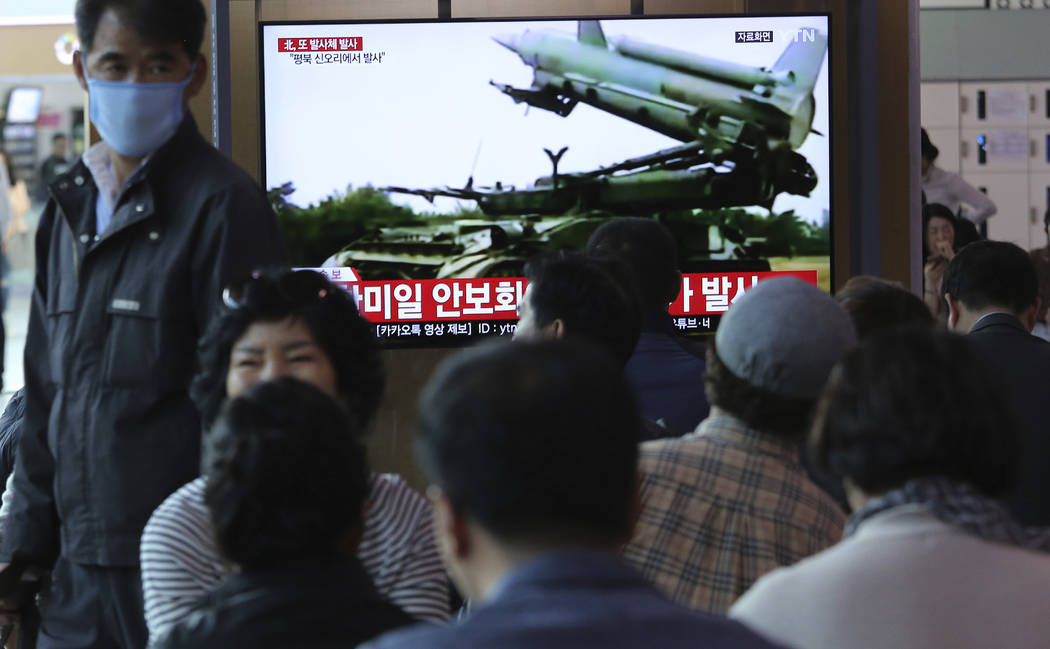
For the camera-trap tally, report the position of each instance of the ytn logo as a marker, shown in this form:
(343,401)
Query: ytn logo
(807,35)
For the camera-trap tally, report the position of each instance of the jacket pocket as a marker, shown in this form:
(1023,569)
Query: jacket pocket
(133,343)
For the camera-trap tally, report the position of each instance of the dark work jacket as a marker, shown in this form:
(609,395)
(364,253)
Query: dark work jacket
(667,374)
(578,600)
(114,324)
(308,604)
(10,434)
(1020,363)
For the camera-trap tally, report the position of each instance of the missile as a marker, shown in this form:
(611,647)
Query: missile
(683,95)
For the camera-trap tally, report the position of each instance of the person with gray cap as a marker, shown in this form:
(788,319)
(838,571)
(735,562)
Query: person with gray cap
(730,502)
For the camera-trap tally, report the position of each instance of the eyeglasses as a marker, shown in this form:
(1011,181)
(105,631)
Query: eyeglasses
(296,287)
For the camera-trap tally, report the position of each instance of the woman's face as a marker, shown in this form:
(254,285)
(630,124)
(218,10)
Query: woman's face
(939,234)
(271,350)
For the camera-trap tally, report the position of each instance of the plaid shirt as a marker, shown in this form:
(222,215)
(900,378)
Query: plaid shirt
(723,506)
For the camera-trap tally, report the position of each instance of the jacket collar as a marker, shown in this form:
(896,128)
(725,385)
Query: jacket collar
(655,321)
(567,569)
(734,432)
(996,320)
(76,189)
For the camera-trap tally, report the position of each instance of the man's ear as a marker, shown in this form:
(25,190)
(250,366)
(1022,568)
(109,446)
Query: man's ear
(1030,315)
(450,526)
(556,330)
(78,69)
(200,75)
(954,312)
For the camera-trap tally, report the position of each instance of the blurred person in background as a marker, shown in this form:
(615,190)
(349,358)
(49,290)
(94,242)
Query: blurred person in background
(949,189)
(876,304)
(931,558)
(531,449)
(573,296)
(942,236)
(56,164)
(1041,261)
(991,294)
(277,324)
(730,502)
(666,370)
(287,485)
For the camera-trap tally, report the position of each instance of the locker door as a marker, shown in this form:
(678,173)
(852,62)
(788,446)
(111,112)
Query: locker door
(939,102)
(1010,193)
(1039,160)
(1039,190)
(1039,103)
(986,104)
(995,150)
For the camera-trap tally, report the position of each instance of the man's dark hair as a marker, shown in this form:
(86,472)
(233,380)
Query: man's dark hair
(588,297)
(758,408)
(162,21)
(992,273)
(286,475)
(332,318)
(875,305)
(58,136)
(647,248)
(535,441)
(912,403)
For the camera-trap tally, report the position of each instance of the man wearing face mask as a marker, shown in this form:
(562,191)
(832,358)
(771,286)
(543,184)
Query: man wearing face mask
(135,243)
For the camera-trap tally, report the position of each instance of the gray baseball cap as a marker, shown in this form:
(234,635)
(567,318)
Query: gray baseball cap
(784,336)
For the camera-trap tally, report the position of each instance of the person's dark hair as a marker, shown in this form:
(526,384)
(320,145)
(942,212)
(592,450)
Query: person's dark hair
(936,210)
(876,305)
(587,295)
(328,311)
(929,151)
(162,21)
(758,408)
(58,136)
(286,475)
(648,249)
(912,403)
(992,273)
(535,441)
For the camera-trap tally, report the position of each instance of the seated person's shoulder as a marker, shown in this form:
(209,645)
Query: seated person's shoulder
(391,493)
(183,507)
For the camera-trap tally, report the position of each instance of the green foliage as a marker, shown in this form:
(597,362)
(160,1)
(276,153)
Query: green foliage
(783,235)
(315,232)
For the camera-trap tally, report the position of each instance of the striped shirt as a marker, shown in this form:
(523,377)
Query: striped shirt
(723,506)
(180,561)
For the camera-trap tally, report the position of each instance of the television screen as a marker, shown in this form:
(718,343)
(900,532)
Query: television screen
(23,105)
(422,163)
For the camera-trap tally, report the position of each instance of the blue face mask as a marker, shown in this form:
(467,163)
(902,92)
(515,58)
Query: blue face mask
(135,119)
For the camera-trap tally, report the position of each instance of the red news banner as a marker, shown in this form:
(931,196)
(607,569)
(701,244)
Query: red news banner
(322,44)
(439,300)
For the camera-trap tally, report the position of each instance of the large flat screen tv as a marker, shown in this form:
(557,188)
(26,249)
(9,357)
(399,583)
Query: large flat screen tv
(422,163)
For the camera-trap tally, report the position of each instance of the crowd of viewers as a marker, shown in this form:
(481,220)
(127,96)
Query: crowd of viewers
(187,465)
